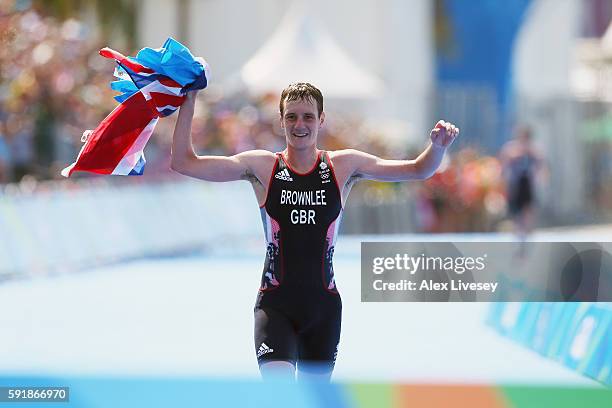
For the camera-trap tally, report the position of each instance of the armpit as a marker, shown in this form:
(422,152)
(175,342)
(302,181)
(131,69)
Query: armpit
(250,177)
(354,178)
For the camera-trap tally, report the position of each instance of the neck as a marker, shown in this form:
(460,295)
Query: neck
(301,160)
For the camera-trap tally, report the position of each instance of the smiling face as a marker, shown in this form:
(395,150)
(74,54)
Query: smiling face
(301,123)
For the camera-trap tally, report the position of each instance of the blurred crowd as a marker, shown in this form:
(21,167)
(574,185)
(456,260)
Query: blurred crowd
(467,194)
(54,85)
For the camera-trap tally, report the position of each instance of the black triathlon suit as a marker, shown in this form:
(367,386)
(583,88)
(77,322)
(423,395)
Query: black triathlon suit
(520,183)
(298,309)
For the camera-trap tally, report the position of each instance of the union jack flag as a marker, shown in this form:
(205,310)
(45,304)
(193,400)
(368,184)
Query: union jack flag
(153,85)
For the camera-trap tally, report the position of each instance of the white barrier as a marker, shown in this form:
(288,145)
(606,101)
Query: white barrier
(67,225)
(72,224)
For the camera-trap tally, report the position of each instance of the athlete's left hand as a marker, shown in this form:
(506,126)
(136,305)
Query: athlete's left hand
(443,134)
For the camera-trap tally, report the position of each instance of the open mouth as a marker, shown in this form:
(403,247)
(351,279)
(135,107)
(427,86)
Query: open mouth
(300,134)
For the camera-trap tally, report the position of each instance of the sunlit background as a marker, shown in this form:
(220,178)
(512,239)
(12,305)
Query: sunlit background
(107,281)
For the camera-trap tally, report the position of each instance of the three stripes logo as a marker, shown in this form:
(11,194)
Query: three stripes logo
(283,175)
(264,349)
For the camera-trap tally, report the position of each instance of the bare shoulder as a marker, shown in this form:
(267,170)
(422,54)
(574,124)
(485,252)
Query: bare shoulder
(347,157)
(344,154)
(345,162)
(258,154)
(259,162)
(256,157)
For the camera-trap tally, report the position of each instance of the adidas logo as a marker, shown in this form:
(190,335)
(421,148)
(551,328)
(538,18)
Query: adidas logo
(323,166)
(283,175)
(264,349)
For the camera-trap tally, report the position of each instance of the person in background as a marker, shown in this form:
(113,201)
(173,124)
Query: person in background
(521,164)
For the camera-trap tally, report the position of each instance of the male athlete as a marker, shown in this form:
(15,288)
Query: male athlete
(301,194)
(522,164)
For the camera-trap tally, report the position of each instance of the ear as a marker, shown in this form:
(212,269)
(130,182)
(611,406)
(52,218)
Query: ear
(322,119)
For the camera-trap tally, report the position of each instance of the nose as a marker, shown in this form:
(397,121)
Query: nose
(299,123)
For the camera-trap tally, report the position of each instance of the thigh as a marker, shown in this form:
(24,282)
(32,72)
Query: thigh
(275,337)
(318,346)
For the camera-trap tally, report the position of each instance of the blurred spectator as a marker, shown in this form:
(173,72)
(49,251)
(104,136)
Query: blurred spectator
(464,195)
(522,163)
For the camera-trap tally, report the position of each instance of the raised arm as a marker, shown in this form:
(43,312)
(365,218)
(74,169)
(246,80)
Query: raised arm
(367,166)
(211,168)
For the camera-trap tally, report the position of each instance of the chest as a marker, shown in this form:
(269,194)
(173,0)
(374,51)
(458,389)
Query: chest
(311,199)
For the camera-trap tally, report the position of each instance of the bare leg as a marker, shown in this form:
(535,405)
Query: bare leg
(275,370)
(528,219)
(523,224)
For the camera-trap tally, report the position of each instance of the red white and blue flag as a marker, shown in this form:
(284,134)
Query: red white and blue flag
(116,146)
